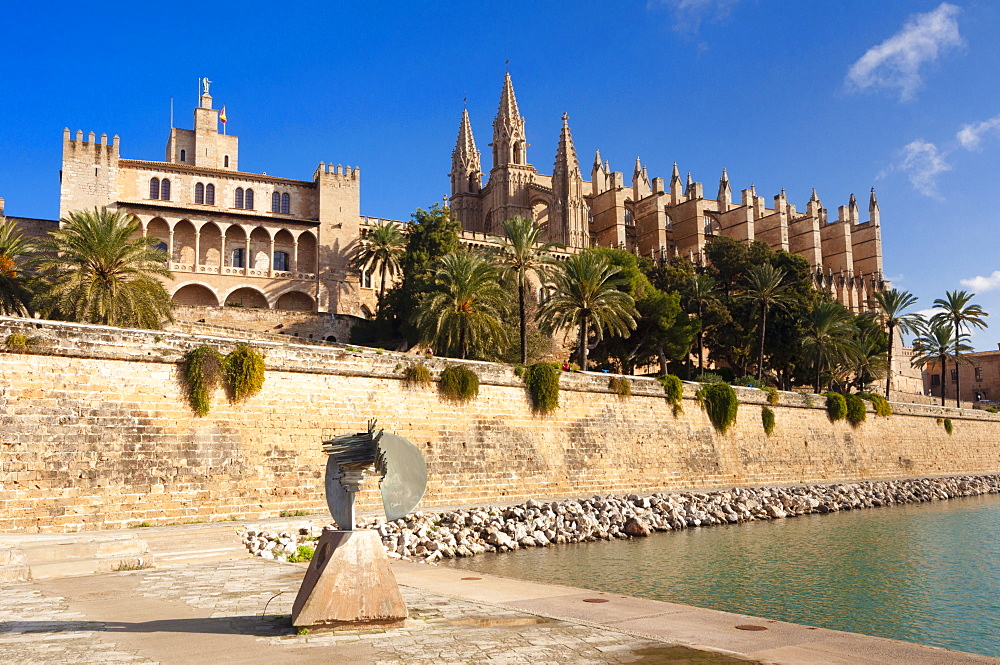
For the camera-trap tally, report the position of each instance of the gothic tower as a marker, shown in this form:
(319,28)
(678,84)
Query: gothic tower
(511,175)
(466,177)
(568,220)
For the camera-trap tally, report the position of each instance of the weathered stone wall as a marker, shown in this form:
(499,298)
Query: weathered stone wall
(95,432)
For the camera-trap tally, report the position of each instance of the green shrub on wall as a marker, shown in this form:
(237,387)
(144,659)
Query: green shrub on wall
(948,427)
(767,419)
(836,406)
(459,383)
(856,412)
(202,369)
(772,395)
(18,342)
(244,370)
(417,375)
(542,380)
(674,389)
(881,404)
(620,386)
(720,402)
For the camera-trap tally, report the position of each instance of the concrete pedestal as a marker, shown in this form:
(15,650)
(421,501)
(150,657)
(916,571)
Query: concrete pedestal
(349,582)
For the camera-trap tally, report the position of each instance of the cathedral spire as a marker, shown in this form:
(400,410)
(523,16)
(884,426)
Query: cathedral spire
(815,197)
(689,189)
(466,169)
(597,161)
(873,213)
(567,165)
(638,169)
(725,197)
(509,145)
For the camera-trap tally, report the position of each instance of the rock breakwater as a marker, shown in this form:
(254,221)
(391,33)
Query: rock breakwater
(467,532)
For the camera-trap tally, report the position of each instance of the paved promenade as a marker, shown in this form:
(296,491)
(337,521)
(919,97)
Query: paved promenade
(235,609)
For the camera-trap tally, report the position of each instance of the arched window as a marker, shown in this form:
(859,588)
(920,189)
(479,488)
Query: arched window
(199,193)
(285,204)
(629,219)
(281,261)
(248,199)
(239,257)
(366,279)
(183,155)
(239,197)
(154,188)
(276,202)
(165,190)
(210,195)
(226,162)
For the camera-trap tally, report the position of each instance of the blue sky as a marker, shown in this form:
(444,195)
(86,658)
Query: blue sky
(841,96)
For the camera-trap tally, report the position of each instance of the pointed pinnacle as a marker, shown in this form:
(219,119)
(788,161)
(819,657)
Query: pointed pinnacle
(597,160)
(725,176)
(638,168)
(815,197)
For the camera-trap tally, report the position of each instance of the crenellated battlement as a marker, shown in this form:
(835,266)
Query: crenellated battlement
(330,171)
(89,148)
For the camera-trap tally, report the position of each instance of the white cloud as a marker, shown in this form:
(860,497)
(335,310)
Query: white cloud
(971,136)
(896,62)
(922,162)
(689,14)
(980,283)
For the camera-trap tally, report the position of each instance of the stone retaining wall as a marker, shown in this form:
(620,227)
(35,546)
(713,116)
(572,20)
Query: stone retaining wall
(95,432)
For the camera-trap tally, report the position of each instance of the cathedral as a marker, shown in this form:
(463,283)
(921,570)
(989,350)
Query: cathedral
(651,217)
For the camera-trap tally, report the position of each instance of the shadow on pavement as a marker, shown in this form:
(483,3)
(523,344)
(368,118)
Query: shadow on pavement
(272,625)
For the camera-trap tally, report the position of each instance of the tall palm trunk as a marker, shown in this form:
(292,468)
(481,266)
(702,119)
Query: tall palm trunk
(583,341)
(888,370)
(381,290)
(524,319)
(701,341)
(958,378)
(944,364)
(760,358)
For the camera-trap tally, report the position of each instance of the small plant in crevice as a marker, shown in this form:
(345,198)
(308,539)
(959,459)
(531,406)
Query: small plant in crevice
(620,386)
(519,371)
(836,406)
(881,404)
(773,397)
(302,553)
(18,342)
(674,390)
(542,380)
(720,402)
(458,383)
(244,372)
(767,419)
(856,412)
(202,368)
(948,426)
(416,375)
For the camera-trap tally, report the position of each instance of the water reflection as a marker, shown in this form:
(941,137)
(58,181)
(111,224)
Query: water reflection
(926,573)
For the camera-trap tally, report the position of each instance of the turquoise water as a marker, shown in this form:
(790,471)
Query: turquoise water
(927,573)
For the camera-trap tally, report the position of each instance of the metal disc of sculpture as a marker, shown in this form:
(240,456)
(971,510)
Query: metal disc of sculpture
(354,457)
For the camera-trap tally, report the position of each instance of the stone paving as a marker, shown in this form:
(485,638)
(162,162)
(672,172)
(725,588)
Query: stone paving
(94,619)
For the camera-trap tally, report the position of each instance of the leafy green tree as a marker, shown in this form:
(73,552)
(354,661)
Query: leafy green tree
(522,252)
(764,287)
(587,296)
(431,235)
(463,312)
(960,314)
(702,296)
(381,251)
(827,338)
(939,344)
(15,257)
(98,269)
(866,354)
(891,305)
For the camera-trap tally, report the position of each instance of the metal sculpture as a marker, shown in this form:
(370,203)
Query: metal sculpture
(353,458)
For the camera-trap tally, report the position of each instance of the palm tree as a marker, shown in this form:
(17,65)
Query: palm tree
(463,313)
(523,252)
(937,344)
(958,313)
(866,356)
(381,250)
(587,295)
(99,270)
(765,287)
(827,337)
(15,252)
(701,292)
(891,306)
